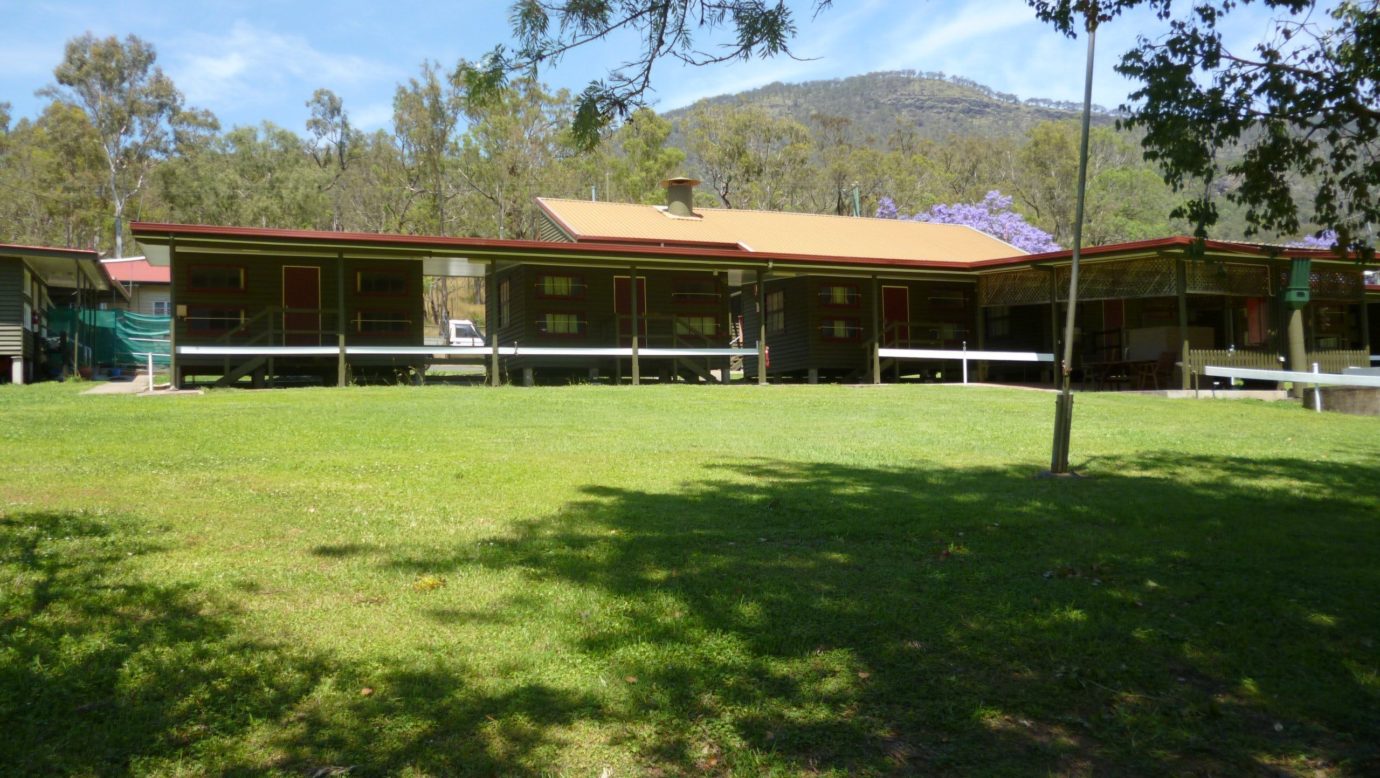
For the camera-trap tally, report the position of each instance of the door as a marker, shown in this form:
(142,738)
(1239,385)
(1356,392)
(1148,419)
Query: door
(302,306)
(896,316)
(622,308)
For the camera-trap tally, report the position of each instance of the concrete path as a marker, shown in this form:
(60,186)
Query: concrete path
(134,386)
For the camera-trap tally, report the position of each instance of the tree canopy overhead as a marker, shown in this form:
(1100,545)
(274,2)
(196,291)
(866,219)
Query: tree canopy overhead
(1303,103)
(666,29)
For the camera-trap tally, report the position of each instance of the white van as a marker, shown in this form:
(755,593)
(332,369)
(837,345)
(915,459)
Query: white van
(464,333)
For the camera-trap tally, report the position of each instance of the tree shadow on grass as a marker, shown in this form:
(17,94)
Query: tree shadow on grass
(1171,615)
(102,673)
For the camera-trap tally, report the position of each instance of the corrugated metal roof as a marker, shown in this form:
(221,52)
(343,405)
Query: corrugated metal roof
(778,232)
(137,271)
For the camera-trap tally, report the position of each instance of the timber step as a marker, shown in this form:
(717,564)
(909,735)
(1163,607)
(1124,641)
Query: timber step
(241,370)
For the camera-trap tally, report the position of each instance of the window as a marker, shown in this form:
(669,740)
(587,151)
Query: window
(839,296)
(216,278)
(381,283)
(560,287)
(382,323)
(840,329)
(560,324)
(698,326)
(998,321)
(695,291)
(162,308)
(505,297)
(776,312)
(208,319)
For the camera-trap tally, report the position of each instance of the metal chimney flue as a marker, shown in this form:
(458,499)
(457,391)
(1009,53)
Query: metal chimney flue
(680,196)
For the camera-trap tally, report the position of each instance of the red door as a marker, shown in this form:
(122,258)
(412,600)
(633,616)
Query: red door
(896,316)
(622,306)
(302,306)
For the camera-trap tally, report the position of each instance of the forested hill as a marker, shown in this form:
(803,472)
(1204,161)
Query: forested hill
(934,106)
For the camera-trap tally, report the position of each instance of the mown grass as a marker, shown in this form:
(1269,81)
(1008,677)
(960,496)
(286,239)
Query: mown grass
(672,580)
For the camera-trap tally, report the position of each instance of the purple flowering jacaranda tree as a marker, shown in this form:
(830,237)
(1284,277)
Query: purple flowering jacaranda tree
(993,216)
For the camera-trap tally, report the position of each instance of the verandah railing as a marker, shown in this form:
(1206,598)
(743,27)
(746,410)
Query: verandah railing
(1328,360)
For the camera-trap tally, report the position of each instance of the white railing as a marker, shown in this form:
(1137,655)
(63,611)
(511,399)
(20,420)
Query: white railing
(1314,379)
(964,355)
(458,351)
(1296,376)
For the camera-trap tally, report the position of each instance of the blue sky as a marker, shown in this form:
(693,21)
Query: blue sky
(249,61)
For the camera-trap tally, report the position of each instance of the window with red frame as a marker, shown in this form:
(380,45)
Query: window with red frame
(551,286)
(382,323)
(776,312)
(697,326)
(381,283)
(840,295)
(695,291)
(215,278)
(840,329)
(566,324)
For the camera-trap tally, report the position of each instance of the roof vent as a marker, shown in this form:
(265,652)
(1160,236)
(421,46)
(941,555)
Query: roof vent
(680,196)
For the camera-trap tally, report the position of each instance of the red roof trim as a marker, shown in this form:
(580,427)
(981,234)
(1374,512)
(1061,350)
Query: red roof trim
(1175,242)
(634,250)
(47,251)
(150,229)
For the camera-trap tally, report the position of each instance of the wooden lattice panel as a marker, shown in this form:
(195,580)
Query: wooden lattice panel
(1019,287)
(1123,279)
(1228,278)
(1334,285)
(1337,284)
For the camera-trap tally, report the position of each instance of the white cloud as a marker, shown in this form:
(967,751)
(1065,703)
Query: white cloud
(249,65)
(374,116)
(925,36)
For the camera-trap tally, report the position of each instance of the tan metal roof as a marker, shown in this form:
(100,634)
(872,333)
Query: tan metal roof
(778,232)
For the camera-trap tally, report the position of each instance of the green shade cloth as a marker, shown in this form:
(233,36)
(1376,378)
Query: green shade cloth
(115,337)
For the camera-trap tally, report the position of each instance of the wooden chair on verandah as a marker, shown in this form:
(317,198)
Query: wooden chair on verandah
(1150,373)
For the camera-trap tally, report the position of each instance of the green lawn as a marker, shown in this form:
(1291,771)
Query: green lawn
(670,580)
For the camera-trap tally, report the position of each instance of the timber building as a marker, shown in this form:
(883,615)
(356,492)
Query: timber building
(33,281)
(623,291)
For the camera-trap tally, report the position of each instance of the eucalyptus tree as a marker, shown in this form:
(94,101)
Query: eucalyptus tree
(332,145)
(516,146)
(639,159)
(749,158)
(133,106)
(426,117)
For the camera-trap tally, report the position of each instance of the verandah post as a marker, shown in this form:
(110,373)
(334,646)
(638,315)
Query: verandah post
(172,308)
(76,322)
(1181,291)
(761,330)
(876,356)
(1054,321)
(491,317)
(632,293)
(1365,319)
(340,315)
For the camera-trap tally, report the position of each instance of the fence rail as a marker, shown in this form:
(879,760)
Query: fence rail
(422,351)
(1296,376)
(964,355)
